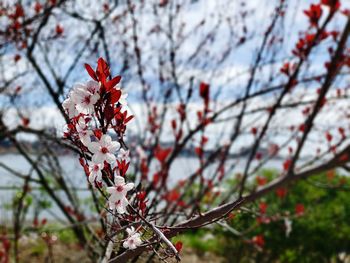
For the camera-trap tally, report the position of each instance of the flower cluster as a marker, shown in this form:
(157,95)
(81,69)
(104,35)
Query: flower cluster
(94,109)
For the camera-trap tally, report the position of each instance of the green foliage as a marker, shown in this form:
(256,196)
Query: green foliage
(322,232)
(202,240)
(38,249)
(67,236)
(318,235)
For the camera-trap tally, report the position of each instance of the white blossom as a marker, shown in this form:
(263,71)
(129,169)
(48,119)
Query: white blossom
(120,205)
(123,155)
(85,100)
(134,240)
(118,192)
(219,189)
(95,173)
(92,86)
(288,226)
(83,132)
(69,105)
(104,149)
(82,99)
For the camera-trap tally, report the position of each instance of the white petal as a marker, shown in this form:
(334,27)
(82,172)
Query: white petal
(111,204)
(72,112)
(81,123)
(66,104)
(125,244)
(129,186)
(110,158)
(125,202)
(138,241)
(105,140)
(86,140)
(94,147)
(122,205)
(132,246)
(99,176)
(92,86)
(120,209)
(94,98)
(118,180)
(90,108)
(85,108)
(69,106)
(79,86)
(116,197)
(130,231)
(113,147)
(99,157)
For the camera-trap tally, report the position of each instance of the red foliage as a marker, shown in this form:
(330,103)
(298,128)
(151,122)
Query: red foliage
(285,69)
(287,164)
(90,71)
(261,180)
(144,168)
(25,121)
(37,7)
(172,196)
(281,192)
(204,90)
(273,149)
(329,136)
(162,154)
(114,95)
(330,175)
(254,130)
(199,151)
(314,13)
(123,167)
(17,57)
(262,207)
(342,132)
(299,209)
(59,30)
(258,156)
(178,246)
(259,240)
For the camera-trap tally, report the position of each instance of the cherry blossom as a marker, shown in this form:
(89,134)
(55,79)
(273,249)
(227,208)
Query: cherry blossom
(219,189)
(120,205)
(104,149)
(84,99)
(120,188)
(134,240)
(118,192)
(69,106)
(123,155)
(83,132)
(95,173)
(92,86)
(288,226)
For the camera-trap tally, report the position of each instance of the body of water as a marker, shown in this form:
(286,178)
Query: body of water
(181,169)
